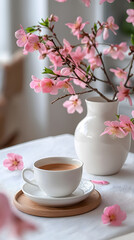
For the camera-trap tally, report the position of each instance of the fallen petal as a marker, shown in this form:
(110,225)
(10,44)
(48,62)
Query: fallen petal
(101,182)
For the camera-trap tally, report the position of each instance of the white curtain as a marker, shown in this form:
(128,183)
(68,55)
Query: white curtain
(27,110)
(35,116)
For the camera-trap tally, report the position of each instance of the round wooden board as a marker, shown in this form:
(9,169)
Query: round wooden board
(26,205)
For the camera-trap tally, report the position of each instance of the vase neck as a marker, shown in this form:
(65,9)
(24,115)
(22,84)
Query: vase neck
(101,108)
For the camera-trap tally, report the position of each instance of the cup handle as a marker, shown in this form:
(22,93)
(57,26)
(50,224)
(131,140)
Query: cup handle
(25,178)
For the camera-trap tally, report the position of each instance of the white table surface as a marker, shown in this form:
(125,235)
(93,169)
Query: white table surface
(82,227)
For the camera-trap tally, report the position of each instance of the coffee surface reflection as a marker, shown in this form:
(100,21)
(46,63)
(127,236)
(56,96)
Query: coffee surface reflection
(58,166)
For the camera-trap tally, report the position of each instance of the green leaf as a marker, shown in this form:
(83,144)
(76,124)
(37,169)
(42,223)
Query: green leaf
(95,28)
(31,29)
(132,39)
(125,27)
(117,115)
(88,68)
(132,120)
(44,23)
(48,71)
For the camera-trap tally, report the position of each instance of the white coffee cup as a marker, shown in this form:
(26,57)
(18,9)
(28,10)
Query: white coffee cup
(56,183)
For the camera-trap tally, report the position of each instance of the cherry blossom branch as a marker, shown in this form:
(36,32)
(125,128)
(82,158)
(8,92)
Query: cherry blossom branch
(100,55)
(129,73)
(127,66)
(77,63)
(55,36)
(92,76)
(105,72)
(102,95)
(87,84)
(95,78)
(68,95)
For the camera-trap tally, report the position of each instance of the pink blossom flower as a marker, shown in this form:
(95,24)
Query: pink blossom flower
(55,59)
(91,52)
(113,215)
(73,104)
(130,18)
(121,48)
(78,55)
(99,31)
(109,25)
(114,128)
(123,93)
(36,84)
(77,26)
(53,18)
(95,62)
(49,44)
(57,72)
(20,226)
(13,162)
(43,52)
(33,44)
(87,44)
(93,59)
(120,129)
(120,73)
(117,51)
(65,71)
(127,125)
(109,1)
(66,48)
(49,86)
(46,85)
(5,211)
(87,2)
(82,76)
(79,83)
(85,40)
(61,0)
(17,226)
(66,85)
(111,50)
(46,49)
(21,36)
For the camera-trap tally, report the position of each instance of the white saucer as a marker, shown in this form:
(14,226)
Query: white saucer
(38,196)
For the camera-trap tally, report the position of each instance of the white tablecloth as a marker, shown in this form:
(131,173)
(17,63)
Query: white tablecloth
(83,227)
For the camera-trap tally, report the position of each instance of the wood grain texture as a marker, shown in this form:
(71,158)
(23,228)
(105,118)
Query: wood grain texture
(26,205)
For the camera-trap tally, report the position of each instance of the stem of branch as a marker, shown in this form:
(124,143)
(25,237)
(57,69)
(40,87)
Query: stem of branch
(68,95)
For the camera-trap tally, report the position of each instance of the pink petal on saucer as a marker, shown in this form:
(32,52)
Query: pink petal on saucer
(101,182)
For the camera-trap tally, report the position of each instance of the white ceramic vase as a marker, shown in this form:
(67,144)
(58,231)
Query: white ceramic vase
(101,155)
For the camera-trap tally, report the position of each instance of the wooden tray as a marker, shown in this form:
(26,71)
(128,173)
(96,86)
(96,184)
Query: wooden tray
(26,205)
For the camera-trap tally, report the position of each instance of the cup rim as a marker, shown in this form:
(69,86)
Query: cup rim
(55,158)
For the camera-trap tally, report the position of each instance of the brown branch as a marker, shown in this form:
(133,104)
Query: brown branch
(105,72)
(68,95)
(102,95)
(91,88)
(71,64)
(129,73)
(103,68)
(55,36)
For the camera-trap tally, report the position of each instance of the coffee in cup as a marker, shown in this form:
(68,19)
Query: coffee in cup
(58,166)
(56,176)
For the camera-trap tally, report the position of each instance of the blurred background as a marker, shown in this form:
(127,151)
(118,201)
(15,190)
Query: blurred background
(25,115)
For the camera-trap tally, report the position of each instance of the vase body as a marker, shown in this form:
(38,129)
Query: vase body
(101,155)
